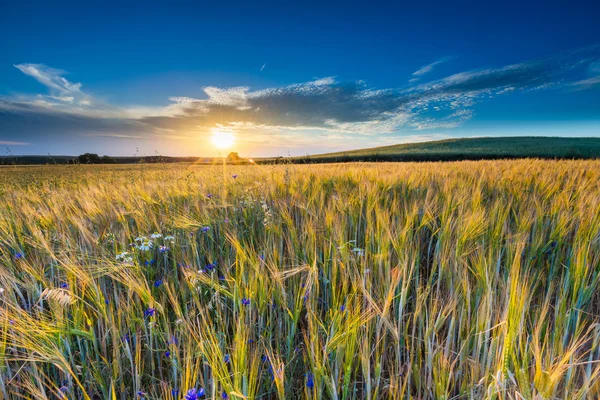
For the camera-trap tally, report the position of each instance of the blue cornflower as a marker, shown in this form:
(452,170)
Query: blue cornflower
(205,229)
(227,358)
(167,354)
(221,278)
(210,266)
(310,383)
(64,285)
(245,301)
(106,301)
(224,395)
(194,394)
(175,392)
(234,176)
(343,308)
(141,394)
(262,257)
(18,255)
(158,283)
(209,196)
(163,249)
(174,340)
(264,358)
(149,312)
(226,220)
(64,389)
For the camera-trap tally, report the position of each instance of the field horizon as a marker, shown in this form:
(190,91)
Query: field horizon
(479,148)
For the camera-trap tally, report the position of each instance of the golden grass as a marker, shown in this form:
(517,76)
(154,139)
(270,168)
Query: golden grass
(463,280)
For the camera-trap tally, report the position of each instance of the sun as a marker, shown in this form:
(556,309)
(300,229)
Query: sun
(223,139)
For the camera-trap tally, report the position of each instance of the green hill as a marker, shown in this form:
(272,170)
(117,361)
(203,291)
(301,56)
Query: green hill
(469,149)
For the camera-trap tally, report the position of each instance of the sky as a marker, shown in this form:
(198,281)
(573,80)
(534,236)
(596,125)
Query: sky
(284,78)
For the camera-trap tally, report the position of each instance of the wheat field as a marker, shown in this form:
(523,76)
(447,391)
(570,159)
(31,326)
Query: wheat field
(463,280)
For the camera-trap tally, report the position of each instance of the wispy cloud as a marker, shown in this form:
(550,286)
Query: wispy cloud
(10,143)
(324,106)
(428,68)
(60,88)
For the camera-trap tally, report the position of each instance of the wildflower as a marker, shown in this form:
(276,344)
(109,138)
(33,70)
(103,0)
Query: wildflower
(149,312)
(167,354)
(158,283)
(209,196)
(163,249)
(174,339)
(144,244)
(169,238)
(226,220)
(224,395)
(64,389)
(234,176)
(141,394)
(18,255)
(175,392)
(245,301)
(64,285)
(310,383)
(156,235)
(227,358)
(1,290)
(358,251)
(343,308)
(205,229)
(210,266)
(12,321)
(194,394)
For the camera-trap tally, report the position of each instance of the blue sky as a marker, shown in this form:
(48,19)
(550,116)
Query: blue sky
(291,79)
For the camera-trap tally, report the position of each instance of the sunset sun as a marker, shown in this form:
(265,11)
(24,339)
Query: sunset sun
(223,140)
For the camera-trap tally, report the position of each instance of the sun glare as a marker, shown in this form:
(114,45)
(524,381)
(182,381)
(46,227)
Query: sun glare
(223,140)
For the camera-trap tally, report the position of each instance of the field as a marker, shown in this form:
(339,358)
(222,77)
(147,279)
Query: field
(462,280)
(490,148)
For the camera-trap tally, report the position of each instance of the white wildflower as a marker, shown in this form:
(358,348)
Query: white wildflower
(156,235)
(358,251)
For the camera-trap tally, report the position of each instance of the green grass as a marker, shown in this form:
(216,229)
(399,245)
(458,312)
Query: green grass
(470,149)
(463,280)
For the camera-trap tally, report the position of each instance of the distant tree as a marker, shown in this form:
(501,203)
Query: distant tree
(89,158)
(108,160)
(233,157)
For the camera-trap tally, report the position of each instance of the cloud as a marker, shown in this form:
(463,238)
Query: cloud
(9,143)
(60,88)
(428,68)
(324,106)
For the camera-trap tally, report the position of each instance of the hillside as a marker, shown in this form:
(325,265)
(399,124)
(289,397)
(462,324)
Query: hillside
(470,149)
